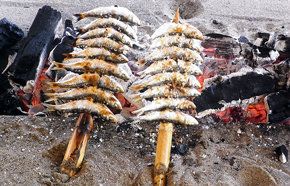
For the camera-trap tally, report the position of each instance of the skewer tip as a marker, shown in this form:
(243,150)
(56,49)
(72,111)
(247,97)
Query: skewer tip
(176,16)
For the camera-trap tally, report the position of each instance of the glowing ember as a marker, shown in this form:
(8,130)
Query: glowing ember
(231,114)
(256,114)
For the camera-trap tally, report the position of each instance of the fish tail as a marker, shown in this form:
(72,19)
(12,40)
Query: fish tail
(51,97)
(68,56)
(79,16)
(137,98)
(81,30)
(58,66)
(136,88)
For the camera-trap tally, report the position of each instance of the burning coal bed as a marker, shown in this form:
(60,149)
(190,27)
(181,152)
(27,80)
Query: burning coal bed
(243,81)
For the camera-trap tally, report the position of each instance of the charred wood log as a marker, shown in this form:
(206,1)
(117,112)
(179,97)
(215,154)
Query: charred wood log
(36,46)
(235,87)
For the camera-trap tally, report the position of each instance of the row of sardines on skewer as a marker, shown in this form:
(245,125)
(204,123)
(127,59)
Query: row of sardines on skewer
(167,80)
(100,47)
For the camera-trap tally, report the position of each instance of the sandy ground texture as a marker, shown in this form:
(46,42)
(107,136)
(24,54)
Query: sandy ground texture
(31,149)
(234,17)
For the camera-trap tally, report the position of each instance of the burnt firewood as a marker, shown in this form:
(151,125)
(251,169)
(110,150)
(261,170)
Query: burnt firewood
(65,45)
(36,46)
(278,105)
(9,103)
(10,35)
(241,85)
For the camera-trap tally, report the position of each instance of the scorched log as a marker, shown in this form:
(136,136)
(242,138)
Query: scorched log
(36,46)
(235,87)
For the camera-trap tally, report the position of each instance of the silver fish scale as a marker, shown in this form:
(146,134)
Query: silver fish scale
(91,91)
(169,81)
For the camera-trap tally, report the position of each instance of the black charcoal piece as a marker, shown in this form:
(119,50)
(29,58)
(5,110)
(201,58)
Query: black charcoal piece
(180,149)
(278,105)
(36,46)
(243,39)
(9,102)
(10,34)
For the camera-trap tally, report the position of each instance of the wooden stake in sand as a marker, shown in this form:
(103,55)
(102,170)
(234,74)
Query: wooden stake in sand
(75,151)
(163,149)
(170,88)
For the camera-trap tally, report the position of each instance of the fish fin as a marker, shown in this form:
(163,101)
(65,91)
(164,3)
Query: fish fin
(176,16)
(58,66)
(79,16)
(68,56)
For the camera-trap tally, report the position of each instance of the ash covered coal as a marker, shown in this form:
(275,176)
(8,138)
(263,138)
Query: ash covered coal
(240,85)
(278,105)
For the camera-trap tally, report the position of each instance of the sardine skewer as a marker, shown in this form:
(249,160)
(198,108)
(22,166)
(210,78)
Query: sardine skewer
(172,52)
(103,42)
(93,65)
(109,33)
(177,28)
(177,40)
(120,13)
(170,65)
(174,78)
(167,91)
(82,80)
(167,82)
(181,104)
(110,22)
(85,106)
(169,116)
(100,53)
(100,95)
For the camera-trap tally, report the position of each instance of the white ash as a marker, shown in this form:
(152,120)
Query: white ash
(234,103)
(243,71)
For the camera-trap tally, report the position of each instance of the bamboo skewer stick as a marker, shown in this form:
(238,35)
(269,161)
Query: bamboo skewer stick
(77,145)
(163,150)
